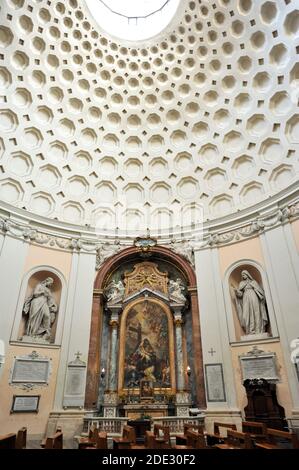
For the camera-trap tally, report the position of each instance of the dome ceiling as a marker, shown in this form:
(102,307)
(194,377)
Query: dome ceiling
(202,121)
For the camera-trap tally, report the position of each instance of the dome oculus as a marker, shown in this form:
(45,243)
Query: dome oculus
(133,19)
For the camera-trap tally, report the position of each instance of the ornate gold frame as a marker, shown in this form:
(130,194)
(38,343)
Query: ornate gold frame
(122,339)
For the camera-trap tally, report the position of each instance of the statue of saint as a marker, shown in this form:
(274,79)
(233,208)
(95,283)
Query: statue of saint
(175,290)
(40,307)
(115,290)
(251,305)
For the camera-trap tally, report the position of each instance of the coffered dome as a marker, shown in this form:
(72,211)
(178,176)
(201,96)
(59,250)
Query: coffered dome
(197,123)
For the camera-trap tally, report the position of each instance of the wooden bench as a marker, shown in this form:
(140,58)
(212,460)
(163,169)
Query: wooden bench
(195,440)
(43,443)
(128,438)
(217,437)
(53,442)
(162,437)
(182,439)
(257,431)
(236,440)
(276,439)
(100,441)
(90,440)
(21,438)
(8,441)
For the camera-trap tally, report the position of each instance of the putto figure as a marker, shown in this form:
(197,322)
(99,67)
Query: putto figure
(41,309)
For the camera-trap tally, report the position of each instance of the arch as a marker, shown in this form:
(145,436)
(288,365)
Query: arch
(122,335)
(110,265)
(22,294)
(228,301)
(129,253)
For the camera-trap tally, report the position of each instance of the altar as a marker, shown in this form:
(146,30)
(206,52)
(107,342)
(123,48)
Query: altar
(151,410)
(147,375)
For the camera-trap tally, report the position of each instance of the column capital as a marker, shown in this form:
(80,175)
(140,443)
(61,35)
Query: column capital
(178,321)
(114,323)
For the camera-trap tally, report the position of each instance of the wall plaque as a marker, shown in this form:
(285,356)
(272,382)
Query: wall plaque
(25,404)
(258,364)
(30,370)
(214,382)
(74,392)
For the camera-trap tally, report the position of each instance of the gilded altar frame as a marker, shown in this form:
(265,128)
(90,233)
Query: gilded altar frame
(122,341)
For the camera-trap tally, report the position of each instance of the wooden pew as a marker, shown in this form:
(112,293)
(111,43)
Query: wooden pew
(195,440)
(89,441)
(128,438)
(257,431)
(277,439)
(21,438)
(8,441)
(54,442)
(182,439)
(43,443)
(217,437)
(161,437)
(100,441)
(236,440)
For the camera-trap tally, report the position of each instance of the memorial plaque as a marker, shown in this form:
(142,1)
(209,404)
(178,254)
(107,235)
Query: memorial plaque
(258,364)
(33,369)
(214,382)
(75,381)
(74,394)
(25,404)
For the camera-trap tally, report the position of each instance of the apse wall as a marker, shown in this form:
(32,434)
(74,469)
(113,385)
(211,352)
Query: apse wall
(271,259)
(98,134)
(200,120)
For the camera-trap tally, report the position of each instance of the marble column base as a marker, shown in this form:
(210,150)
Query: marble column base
(182,403)
(110,404)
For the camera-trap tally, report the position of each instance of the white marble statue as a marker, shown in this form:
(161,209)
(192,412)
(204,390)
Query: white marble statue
(251,305)
(106,250)
(41,308)
(183,248)
(114,291)
(175,290)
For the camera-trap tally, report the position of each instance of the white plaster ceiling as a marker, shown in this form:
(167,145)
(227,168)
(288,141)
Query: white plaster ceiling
(99,133)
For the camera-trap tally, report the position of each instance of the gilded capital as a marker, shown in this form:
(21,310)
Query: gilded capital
(113,323)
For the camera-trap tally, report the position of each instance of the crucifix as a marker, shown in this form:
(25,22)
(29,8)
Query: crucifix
(211,352)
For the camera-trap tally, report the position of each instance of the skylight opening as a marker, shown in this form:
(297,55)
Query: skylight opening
(133,20)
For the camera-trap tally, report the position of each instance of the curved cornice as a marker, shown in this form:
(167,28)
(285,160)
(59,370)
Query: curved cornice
(246,224)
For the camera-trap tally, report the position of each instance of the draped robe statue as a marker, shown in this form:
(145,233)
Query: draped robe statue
(251,305)
(40,307)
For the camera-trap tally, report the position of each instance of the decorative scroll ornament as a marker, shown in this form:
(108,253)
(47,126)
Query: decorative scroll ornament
(105,251)
(183,248)
(145,275)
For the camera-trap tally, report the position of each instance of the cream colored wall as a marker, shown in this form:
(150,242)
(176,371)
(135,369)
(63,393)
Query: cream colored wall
(60,260)
(248,249)
(283,391)
(295,230)
(35,422)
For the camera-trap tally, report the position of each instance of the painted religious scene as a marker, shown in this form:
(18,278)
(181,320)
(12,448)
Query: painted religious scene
(147,346)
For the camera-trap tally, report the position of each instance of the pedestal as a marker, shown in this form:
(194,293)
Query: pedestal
(110,404)
(255,337)
(183,403)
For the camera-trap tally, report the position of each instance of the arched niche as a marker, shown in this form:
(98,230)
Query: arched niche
(58,291)
(232,281)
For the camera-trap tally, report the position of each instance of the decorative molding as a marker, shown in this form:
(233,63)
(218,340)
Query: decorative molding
(67,239)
